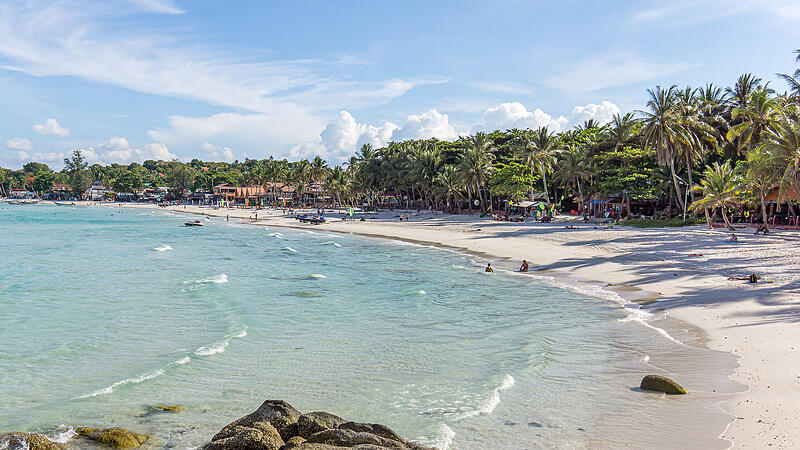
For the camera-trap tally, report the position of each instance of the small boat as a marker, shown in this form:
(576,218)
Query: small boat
(313,220)
(194,223)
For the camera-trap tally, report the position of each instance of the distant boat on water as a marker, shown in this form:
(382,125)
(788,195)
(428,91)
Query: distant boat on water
(194,223)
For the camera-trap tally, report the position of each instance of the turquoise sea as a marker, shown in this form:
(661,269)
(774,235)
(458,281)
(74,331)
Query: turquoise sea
(107,310)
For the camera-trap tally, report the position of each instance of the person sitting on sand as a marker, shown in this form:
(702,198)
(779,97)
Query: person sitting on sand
(524,266)
(570,227)
(761,228)
(734,238)
(489,268)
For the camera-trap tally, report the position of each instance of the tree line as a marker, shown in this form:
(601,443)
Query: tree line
(693,150)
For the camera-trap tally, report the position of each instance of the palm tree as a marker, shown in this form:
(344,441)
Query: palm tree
(754,119)
(620,132)
(475,166)
(336,182)
(697,134)
(573,169)
(538,149)
(719,186)
(794,79)
(449,185)
(316,172)
(663,130)
(781,145)
(739,95)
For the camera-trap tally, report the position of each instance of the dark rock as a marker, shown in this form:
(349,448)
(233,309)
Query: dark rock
(257,436)
(372,428)
(32,441)
(113,437)
(661,384)
(167,408)
(314,422)
(277,413)
(293,442)
(278,426)
(349,438)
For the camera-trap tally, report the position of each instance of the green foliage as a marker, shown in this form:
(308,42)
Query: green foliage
(661,223)
(127,182)
(629,170)
(79,177)
(512,180)
(43,181)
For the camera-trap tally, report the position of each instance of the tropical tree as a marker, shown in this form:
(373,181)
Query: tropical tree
(539,149)
(449,184)
(781,148)
(719,187)
(573,170)
(76,168)
(662,130)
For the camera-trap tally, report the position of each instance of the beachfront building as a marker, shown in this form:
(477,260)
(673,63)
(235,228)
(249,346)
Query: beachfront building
(97,191)
(21,193)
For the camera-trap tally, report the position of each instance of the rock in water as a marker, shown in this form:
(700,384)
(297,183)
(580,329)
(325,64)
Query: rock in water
(661,384)
(113,437)
(276,425)
(30,441)
(314,422)
(281,415)
(167,408)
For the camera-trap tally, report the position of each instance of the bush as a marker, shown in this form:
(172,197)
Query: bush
(661,223)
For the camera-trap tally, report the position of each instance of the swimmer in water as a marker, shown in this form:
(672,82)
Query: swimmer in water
(489,268)
(524,266)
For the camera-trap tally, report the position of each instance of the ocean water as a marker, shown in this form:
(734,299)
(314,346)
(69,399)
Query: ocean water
(105,311)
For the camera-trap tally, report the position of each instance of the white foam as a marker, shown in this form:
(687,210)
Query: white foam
(135,380)
(332,243)
(216,279)
(289,249)
(212,349)
(63,435)
(444,438)
(421,292)
(240,334)
(276,235)
(162,248)
(318,276)
(183,360)
(491,403)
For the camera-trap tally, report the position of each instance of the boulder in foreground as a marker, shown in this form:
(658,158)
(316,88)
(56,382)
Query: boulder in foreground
(30,441)
(113,437)
(277,425)
(661,384)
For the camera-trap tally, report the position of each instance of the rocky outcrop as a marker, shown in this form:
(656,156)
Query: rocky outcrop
(166,408)
(661,384)
(276,425)
(30,441)
(113,437)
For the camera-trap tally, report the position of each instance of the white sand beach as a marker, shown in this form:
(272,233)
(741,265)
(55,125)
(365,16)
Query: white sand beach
(758,323)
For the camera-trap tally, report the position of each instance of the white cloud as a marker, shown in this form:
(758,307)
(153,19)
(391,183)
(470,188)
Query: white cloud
(16,143)
(430,124)
(217,153)
(516,115)
(116,143)
(51,127)
(682,12)
(344,136)
(603,113)
(612,71)
(95,42)
(259,134)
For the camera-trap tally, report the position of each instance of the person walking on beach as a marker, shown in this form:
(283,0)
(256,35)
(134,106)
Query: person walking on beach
(524,266)
(489,268)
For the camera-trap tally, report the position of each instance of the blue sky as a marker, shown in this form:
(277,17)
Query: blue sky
(161,79)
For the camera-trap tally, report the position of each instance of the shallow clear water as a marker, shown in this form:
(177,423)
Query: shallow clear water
(105,311)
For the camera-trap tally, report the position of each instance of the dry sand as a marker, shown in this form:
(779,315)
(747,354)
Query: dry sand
(758,322)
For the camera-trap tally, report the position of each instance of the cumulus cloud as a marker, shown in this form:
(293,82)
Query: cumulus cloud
(603,113)
(51,127)
(217,153)
(116,143)
(516,115)
(16,143)
(344,135)
(119,150)
(430,124)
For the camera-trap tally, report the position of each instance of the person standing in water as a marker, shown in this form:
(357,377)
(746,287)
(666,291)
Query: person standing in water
(524,266)
(489,268)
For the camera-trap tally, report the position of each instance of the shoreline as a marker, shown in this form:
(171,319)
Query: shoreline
(726,314)
(729,314)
